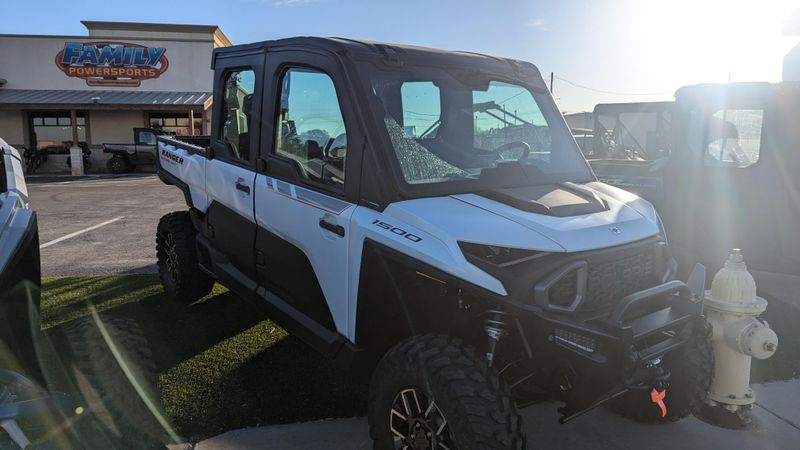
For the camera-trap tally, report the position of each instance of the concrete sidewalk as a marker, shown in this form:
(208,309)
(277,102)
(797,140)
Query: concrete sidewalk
(776,425)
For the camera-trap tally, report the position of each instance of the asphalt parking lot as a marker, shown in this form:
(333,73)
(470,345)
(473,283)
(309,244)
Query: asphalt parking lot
(101,226)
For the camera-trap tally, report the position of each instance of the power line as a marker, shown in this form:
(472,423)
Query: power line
(607,92)
(512,97)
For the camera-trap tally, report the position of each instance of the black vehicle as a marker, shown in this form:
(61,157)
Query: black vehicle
(127,157)
(722,172)
(413,212)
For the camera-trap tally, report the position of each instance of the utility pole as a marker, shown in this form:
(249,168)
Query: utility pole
(551,82)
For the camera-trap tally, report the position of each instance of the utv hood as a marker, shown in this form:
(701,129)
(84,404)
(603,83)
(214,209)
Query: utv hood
(621,217)
(576,217)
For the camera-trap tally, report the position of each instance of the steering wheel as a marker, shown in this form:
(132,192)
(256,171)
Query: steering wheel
(526,149)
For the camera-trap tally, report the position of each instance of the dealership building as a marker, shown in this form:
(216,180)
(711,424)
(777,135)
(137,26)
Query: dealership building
(101,86)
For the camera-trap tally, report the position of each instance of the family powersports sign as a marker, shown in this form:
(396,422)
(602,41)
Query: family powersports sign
(112,63)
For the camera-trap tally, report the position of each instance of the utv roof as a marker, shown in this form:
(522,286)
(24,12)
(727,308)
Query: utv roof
(615,108)
(386,51)
(706,91)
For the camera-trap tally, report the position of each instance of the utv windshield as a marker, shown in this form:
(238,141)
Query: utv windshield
(476,130)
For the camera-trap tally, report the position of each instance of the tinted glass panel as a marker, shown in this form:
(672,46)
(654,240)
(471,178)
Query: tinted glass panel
(236,112)
(147,138)
(310,127)
(422,116)
(734,137)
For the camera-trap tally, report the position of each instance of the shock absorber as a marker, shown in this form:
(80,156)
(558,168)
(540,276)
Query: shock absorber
(495,327)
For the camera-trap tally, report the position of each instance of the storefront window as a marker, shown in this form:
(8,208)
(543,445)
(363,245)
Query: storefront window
(52,131)
(177,123)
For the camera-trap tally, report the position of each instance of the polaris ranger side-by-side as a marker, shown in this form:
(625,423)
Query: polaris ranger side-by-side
(426,215)
(20,276)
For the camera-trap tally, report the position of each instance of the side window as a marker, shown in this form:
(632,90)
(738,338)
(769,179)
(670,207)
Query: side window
(422,119)
(147,138)
(237,100)
(633,135)
(734,137)
(310,128)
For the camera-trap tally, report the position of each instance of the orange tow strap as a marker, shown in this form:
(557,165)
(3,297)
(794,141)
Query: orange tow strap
(658,398)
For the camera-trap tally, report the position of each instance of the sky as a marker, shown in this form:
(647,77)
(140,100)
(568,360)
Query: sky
(599,51)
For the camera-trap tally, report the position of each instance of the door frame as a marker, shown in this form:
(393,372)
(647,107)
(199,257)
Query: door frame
(223,65)
(278,63)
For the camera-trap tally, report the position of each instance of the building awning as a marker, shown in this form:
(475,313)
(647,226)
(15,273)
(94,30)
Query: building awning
(87,99)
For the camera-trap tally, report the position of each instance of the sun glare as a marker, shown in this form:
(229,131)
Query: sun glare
(718,39)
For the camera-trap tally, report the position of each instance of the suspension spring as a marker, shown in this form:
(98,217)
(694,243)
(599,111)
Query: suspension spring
(495,327)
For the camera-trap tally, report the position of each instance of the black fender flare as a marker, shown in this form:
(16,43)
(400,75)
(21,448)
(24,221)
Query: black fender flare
(168,178)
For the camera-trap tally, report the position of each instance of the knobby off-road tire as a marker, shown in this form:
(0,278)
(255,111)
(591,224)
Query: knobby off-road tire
(178,267)
(691,373)
(474,400)
(116,415)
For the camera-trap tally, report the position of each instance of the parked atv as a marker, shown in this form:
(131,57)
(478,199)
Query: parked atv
(33,158)
(127,156)
(432,221)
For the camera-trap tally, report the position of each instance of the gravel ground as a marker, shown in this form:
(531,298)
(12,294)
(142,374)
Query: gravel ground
(127,245)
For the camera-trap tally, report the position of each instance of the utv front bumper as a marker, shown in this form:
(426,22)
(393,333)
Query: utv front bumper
(599,359)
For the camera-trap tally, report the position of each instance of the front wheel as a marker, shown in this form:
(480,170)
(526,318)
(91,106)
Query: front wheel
(435,392)
(691,372)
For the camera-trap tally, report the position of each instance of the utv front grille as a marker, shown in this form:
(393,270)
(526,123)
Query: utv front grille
(596,286)
(609,282)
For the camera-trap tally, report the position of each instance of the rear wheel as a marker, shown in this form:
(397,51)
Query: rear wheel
(691,372)
(435,392)
(117,164)
(178,266)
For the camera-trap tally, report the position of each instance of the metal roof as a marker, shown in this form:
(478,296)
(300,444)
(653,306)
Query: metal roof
(87,97)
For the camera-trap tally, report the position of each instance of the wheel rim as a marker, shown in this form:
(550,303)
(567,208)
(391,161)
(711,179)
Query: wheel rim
(171,251)
(417,423)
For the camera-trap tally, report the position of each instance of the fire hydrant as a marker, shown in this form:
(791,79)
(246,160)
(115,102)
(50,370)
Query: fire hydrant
(739,335)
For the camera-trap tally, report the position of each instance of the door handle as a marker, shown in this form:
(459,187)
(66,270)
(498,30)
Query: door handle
(333,228)
(243,187)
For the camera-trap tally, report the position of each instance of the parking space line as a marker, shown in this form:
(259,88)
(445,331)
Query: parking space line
(79,232)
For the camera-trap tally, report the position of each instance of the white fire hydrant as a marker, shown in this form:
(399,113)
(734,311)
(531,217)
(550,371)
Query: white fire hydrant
(732,308)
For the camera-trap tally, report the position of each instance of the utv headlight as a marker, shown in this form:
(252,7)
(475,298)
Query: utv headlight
(498,256)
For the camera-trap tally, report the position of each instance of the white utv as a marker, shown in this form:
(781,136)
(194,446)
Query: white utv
(427,216)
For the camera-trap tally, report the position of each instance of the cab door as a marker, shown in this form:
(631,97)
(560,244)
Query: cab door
(145,145)
(722,186)
(306,193)
(230,175)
